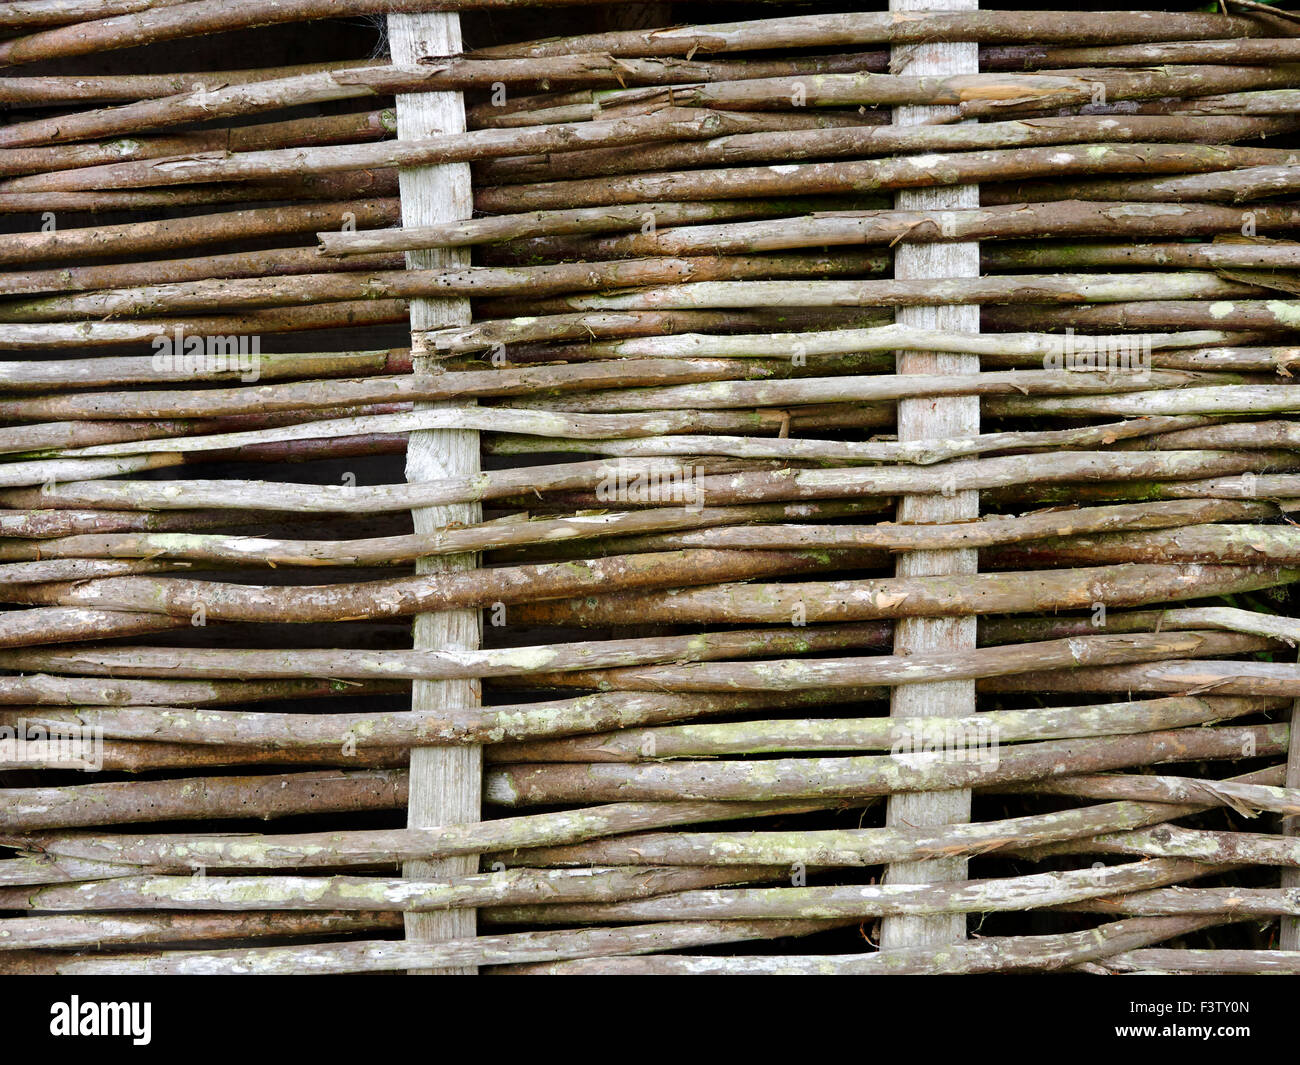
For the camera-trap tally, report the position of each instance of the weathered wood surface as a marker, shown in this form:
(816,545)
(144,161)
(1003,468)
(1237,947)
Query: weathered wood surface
(732,315)
(445,782)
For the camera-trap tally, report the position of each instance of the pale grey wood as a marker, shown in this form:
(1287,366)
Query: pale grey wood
(918,419)
(446,782)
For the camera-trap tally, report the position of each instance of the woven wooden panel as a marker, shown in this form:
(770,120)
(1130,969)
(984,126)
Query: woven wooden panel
(806,493)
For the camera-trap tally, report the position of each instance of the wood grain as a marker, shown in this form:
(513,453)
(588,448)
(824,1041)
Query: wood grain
(921,419)
(446,782)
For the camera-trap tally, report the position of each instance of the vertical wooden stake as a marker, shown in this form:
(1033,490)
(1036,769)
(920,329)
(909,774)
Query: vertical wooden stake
(446,782)
(929,418)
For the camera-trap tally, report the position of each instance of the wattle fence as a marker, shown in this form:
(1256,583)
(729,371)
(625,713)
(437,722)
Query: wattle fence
(648,488)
